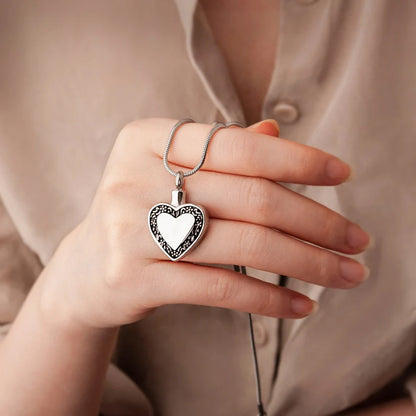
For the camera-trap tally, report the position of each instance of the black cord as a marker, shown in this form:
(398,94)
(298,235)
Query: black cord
(282,282)
(260,407)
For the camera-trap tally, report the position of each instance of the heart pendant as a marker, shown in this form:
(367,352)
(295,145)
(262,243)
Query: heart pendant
(177,227)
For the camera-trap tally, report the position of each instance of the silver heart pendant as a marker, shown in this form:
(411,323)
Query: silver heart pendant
(177,227)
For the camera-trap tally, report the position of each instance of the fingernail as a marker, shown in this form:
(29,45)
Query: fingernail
(356,237)
(352,271)
(336,169)
(304,306)
(352,175)
(268,126)
(371,243)
(315,307)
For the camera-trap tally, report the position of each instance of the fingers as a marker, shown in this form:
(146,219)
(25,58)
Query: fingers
(202,285)
(264,202)
(238,151)
(261,201)
(233,242)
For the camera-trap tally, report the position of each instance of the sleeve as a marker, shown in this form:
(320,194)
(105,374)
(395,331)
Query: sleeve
(19,267)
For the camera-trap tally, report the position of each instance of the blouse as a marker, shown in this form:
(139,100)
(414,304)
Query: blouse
(74,73)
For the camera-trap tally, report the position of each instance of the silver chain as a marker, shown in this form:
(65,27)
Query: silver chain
(213,131)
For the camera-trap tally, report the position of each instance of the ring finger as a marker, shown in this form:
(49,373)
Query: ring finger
(233,242)
(261,201)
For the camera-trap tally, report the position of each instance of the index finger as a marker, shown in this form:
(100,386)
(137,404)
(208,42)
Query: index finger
(240,151)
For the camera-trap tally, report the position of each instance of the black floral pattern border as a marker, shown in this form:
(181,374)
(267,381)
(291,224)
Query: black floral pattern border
(192,237)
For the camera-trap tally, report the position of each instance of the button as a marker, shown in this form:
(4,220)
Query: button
(285,112)
(260,334)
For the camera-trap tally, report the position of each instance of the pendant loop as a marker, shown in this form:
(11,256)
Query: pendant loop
(179,180)
(178,197)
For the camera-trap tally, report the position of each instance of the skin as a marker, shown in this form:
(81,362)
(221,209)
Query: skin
(108,272)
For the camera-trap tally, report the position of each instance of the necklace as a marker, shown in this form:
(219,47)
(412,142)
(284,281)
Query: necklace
(179,226)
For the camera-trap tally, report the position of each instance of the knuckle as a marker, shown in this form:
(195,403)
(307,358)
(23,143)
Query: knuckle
(114,276)
(138,128)
(333,230)
(133,132)
(304,167)
(321,266)
(114,186)
(252,243)
(116,262)
(324,268)
(329,227)
(116,231)
(124,252)
(258,193)
(268,304)
(144,134)
(134,127)
(129,131)
(248,150)
(342,225)
(221,289)
(301,164)
(241,149)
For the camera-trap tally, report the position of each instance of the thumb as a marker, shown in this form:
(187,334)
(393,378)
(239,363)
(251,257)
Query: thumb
(269,127)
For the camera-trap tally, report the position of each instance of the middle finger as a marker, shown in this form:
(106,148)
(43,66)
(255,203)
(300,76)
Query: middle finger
(233,242)
(264,202)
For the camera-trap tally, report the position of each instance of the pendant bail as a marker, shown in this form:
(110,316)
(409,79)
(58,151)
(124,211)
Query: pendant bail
(178,197)
(179,180)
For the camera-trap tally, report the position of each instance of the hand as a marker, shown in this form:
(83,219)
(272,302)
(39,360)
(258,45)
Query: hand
(108,271)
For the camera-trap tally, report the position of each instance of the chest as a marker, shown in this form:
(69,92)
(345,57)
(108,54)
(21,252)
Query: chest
(247,34)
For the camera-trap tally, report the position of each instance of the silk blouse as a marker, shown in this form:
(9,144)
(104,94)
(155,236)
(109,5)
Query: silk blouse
(72,74)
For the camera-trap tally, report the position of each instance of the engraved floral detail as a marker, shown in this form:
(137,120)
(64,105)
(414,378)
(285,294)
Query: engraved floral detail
(190,240)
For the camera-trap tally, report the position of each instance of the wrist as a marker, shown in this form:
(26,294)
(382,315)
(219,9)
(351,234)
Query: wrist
(59,318)
(61,303)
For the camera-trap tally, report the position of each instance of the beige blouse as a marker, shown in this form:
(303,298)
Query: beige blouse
(73,73)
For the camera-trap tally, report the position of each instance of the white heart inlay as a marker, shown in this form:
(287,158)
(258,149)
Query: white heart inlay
(175,230)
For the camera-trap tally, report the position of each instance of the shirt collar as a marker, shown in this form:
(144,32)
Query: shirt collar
(208,61)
